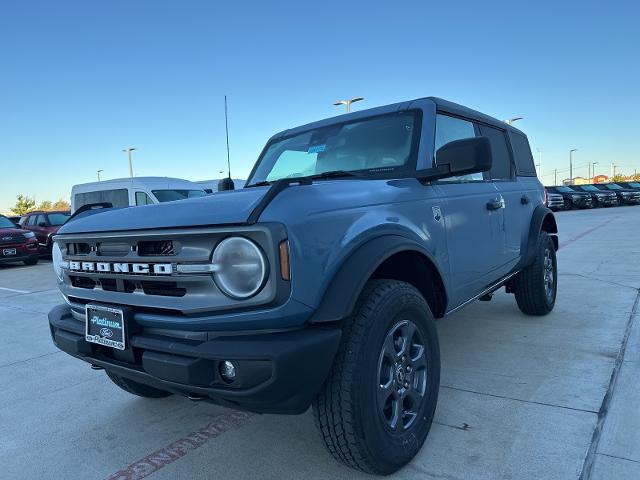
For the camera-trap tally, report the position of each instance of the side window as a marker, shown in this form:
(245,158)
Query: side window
(449,129)
(524,158)
(501,168)
(40,219)
(143,199)
(117,198)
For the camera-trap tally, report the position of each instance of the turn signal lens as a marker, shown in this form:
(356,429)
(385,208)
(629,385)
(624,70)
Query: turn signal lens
(285,268)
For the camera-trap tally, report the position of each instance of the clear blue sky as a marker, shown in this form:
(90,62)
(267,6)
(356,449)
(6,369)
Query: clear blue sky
(80,80)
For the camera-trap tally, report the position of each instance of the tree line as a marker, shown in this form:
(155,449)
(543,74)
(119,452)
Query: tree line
(25,204)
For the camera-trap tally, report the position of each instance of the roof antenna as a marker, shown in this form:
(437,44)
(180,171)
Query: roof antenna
(226,183)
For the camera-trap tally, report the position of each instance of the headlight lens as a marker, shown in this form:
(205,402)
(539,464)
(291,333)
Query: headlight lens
(56,258)
(28,234)
(240,267)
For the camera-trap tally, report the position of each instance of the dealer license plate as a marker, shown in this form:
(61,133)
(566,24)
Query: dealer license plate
(105,326)
(7,252)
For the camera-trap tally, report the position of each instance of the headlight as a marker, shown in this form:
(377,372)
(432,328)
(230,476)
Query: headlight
(28,234)
(56,258)
(240,268)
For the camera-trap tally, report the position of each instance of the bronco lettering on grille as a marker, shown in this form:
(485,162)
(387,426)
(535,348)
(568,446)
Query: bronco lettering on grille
(109,267)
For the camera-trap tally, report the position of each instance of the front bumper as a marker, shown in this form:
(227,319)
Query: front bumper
(277,372)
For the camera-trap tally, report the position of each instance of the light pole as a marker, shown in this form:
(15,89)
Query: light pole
(348,102)
(592,170)
(571,164)
(539,162)
(613,167)
(128,151)
(98,172)
(509,121)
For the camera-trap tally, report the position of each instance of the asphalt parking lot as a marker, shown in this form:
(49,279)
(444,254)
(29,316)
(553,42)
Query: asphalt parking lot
(521,398)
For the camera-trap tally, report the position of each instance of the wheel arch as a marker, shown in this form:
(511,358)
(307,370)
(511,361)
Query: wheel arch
(389,256)
(542,220)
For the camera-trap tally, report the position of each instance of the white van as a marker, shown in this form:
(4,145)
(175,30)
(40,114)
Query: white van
(128,192)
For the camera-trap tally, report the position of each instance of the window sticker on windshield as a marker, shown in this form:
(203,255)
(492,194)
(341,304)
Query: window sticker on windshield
(317,148)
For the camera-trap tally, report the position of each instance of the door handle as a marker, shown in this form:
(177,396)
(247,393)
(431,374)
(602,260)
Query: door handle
(495,204)
(524,200)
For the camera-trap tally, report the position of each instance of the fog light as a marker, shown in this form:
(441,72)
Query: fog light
(228,371)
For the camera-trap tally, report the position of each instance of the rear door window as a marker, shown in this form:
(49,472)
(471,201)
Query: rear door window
(143,199)
(501,168)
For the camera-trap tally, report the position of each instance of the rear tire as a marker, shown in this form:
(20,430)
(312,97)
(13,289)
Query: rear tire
(536,286)
(377,405)
(136,388)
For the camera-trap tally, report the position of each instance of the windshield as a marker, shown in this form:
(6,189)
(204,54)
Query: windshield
(384,144)
(590,188)
(564,189)
(6,223)
(57,219)
(613,186)
(171,195)
(634,185)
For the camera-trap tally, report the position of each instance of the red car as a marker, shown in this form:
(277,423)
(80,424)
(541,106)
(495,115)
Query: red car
(45,225)
(16,244)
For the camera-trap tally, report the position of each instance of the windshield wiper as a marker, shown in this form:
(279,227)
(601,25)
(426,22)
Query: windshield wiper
(263,183)
(337,174)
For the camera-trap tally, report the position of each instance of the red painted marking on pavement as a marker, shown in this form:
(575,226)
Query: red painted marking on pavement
(175,450)
(586,232)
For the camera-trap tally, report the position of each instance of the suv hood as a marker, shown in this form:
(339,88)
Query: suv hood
(224,208)
(11,231)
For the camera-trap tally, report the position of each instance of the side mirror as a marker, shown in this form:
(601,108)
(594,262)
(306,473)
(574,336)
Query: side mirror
(460,157)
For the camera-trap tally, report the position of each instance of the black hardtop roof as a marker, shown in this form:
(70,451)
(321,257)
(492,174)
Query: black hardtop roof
(440,103)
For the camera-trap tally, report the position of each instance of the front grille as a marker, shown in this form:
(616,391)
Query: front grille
(12,239)
(140,269)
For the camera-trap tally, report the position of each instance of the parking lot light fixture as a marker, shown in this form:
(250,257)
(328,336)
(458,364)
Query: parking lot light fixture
(509,121)
(348,102)
(98,172)
(592,171)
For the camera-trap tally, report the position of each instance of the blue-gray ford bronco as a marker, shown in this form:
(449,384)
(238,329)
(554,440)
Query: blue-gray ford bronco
(319,282)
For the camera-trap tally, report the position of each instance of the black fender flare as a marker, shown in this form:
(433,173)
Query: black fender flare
(340,296)
(542,219)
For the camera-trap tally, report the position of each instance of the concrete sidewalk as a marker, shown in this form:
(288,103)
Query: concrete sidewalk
(521,398)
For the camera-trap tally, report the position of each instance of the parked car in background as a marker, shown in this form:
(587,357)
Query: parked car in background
(554,201)
(626,196)
(630,185)
(572,198)
(15,219)
(16,244)
(129,192)
(44,225)
(598,197)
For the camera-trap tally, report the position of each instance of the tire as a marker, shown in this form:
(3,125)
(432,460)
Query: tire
(31,261)
(354,412)
(136,388)
(568,204)
(536,286)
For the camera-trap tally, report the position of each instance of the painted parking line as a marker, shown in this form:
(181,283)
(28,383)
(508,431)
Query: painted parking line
(13,290)
(587,232)
(175,450)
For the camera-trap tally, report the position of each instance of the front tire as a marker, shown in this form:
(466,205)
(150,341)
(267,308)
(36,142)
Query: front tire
(136,388)
(376,408)
(31,261)
(536,286)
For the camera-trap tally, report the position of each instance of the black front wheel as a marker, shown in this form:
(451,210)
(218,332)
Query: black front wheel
(536,286)
(376,408)
(31,260)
